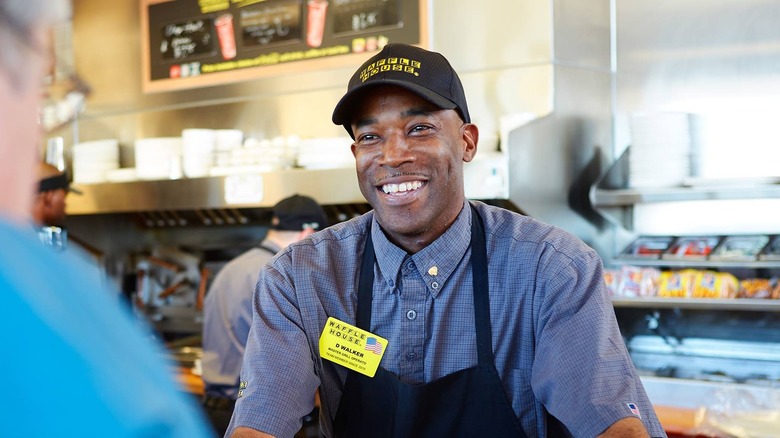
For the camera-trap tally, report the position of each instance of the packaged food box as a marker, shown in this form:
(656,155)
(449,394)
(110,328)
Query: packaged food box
(647,248)
(772,250)
(744,248)
(691,248)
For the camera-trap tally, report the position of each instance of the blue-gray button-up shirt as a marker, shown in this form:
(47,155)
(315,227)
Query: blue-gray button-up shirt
(556,343)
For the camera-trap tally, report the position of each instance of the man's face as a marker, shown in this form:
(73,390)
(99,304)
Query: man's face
(409,156)
(54,214)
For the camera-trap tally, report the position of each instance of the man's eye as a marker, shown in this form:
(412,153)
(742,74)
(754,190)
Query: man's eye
(419,128)
(363,138)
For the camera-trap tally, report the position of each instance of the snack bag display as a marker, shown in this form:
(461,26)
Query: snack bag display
(759,288)
(710,284)
(612,279)
(638,282)
(676,284)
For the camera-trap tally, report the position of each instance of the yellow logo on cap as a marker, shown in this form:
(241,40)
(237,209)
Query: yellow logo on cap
(391,64)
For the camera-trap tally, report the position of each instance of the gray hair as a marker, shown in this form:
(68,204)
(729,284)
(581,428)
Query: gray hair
(19,19)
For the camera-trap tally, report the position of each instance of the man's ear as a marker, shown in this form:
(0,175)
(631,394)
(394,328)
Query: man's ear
(471,137)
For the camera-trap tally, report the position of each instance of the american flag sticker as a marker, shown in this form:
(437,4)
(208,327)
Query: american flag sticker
(634,409)
(373,345)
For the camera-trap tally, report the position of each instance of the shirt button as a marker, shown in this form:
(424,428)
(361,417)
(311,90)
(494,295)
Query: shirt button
(410,265)
(411,315)
(411,356)
(435,285)
(390,283)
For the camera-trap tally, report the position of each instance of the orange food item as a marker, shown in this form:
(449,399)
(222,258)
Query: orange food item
(759,288)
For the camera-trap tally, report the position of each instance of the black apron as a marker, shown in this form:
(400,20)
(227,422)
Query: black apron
(467,403)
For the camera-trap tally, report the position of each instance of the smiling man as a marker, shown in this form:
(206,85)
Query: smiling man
(481,322)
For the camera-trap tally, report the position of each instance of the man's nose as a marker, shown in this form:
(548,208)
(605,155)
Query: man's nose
(396,150)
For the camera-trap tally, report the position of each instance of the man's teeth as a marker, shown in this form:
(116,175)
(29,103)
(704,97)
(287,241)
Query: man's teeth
(403,187)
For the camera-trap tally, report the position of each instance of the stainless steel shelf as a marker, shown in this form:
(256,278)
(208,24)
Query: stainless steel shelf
(758,264)
(327,186)
(250,190)
(612,190)
(746,304)
(612,197)
(627,197)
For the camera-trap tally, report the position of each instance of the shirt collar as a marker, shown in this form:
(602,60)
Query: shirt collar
(435,263)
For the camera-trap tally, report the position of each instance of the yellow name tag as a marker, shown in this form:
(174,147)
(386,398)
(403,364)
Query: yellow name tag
(352,347)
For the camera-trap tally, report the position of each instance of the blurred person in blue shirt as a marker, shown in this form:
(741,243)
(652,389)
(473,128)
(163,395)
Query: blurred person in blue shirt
(75,363)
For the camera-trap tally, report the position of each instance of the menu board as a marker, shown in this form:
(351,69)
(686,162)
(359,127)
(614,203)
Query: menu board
(187,39)
(194,43)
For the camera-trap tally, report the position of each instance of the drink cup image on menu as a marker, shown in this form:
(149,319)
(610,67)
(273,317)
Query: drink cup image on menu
(226,36)
(315,24)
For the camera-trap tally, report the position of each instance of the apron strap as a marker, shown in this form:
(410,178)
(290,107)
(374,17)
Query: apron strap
(479,271)
(366,285)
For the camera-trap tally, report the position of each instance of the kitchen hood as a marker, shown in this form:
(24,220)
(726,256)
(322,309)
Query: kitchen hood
(225,199)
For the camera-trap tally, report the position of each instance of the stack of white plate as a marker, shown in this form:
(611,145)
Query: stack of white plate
(228,139)
(660,149)
(325,153)
(120,175)
(736,145)
(91,160)
(263,155)
(158,158)
(197,151)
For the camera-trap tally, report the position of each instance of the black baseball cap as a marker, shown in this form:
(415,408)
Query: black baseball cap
(298,213)
(59,181)
(426,73)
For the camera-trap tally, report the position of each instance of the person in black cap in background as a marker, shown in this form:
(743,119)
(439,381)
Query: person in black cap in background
(480,322)
(227,310)
(48,215)
(48,212)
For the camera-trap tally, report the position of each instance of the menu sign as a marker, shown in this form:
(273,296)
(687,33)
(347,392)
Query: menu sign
(193,43)
(191,38)
(361,15)
(273,23)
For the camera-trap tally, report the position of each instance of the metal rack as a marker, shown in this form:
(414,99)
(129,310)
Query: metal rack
(676,337)
(611,196)
(737,304)
(719,264)
(219,193)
